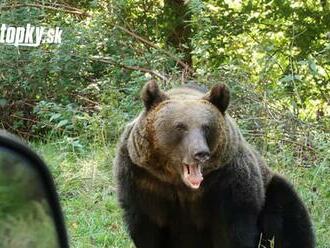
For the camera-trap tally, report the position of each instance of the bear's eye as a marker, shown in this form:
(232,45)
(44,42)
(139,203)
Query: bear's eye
(181,126)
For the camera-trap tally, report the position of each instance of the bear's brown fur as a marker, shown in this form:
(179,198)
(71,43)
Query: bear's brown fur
(187,178)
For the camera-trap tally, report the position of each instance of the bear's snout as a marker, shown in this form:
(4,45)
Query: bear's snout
(198,149)
(202,156)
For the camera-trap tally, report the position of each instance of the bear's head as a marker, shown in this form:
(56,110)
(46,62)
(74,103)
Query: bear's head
(179,138)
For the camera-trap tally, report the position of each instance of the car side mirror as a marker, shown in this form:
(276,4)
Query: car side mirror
(30,213)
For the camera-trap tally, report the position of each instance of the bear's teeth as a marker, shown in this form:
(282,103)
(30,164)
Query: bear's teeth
(192,175)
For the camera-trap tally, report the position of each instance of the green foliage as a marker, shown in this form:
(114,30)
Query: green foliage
(282,44)
(282,48)
(274,55)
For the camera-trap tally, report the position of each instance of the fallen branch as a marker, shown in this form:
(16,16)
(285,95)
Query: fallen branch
(109,60)
(143,40)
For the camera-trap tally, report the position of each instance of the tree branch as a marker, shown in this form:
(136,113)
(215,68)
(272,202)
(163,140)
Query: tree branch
(109,60)
(143,40)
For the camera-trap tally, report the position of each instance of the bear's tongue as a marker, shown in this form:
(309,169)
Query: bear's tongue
(192,175)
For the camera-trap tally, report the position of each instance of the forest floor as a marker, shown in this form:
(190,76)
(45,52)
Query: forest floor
(86,187)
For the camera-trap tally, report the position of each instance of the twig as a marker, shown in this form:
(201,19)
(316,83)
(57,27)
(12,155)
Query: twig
(143,40)
(87,100)
(20,132)
(299,144)
(37,122)
(25,119)
(145,70)
(286,138)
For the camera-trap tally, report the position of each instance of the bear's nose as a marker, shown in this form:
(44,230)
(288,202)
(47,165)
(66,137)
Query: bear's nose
(202,156)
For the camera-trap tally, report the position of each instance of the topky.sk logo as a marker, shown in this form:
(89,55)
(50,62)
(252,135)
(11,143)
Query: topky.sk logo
(29,35)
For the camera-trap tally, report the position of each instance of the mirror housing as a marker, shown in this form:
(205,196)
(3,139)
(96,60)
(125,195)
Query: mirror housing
(18,165)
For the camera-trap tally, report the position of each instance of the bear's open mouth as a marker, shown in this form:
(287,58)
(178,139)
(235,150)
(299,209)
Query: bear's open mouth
(192,175)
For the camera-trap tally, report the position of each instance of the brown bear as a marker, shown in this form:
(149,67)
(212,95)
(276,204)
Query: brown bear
(187,178)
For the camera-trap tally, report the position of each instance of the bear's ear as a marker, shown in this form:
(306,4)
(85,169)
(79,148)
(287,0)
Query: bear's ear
(219,96)
(152,95)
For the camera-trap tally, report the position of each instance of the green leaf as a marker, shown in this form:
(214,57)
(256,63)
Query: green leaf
(62,123)
(312,67)
(54,117)
(288,78)
(3,102)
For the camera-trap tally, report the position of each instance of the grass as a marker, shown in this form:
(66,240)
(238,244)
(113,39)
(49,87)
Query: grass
(87,191)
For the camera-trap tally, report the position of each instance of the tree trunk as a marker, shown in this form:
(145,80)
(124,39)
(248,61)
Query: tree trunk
(177,29)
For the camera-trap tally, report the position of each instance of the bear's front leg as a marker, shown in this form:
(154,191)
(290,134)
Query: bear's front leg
(144,232)
(235,228)
(243,230)
(285,218)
